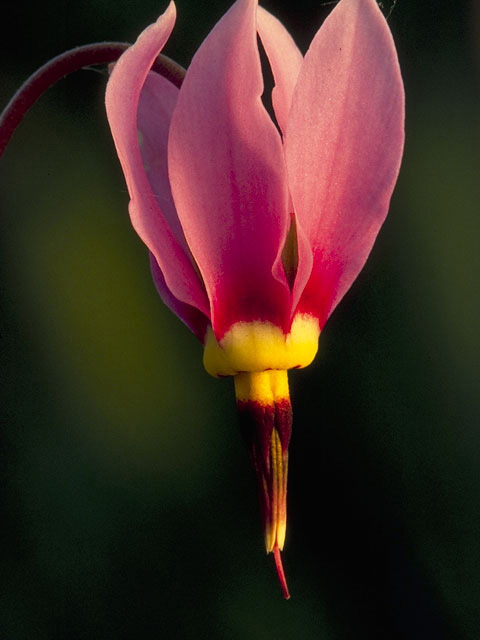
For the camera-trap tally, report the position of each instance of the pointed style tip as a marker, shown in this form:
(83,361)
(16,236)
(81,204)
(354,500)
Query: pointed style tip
(281,573)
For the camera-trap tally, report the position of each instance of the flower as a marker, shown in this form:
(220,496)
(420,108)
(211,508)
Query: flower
(256,229)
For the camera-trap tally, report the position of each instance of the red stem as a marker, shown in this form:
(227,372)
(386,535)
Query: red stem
(61,66)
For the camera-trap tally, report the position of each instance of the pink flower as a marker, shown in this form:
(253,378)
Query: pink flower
(256,231)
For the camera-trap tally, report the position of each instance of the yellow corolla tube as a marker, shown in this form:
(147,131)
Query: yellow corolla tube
(258,355)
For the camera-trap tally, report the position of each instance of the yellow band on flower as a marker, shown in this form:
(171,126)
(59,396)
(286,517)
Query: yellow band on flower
(259,346)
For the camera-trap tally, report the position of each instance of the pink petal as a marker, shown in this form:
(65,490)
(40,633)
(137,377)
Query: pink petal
(191,316)
(285,60)
(228,178)
(157,101)
(343,146)
(158,98)
(122,98)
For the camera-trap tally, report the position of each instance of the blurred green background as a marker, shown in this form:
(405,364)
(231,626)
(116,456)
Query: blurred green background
(127,504)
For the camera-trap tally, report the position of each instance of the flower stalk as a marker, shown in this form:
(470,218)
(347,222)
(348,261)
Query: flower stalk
(98,53)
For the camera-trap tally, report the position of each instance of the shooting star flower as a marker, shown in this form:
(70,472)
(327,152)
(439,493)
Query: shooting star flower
(256,228)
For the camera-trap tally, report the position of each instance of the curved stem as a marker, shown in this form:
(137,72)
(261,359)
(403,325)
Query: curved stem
(61,66)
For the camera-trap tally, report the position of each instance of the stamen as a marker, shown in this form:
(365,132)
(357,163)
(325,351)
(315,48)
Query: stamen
(266,421)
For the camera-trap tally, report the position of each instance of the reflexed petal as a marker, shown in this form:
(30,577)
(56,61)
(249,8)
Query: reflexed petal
(285,60)
(195,320)
(344,143)
(148,219)
(227,174)
(157,101)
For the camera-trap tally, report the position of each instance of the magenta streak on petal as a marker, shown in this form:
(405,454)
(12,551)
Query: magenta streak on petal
(227,173)
(343,146)
(123,91)
(191,316)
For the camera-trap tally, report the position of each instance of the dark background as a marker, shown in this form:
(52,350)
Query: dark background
(127,505)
